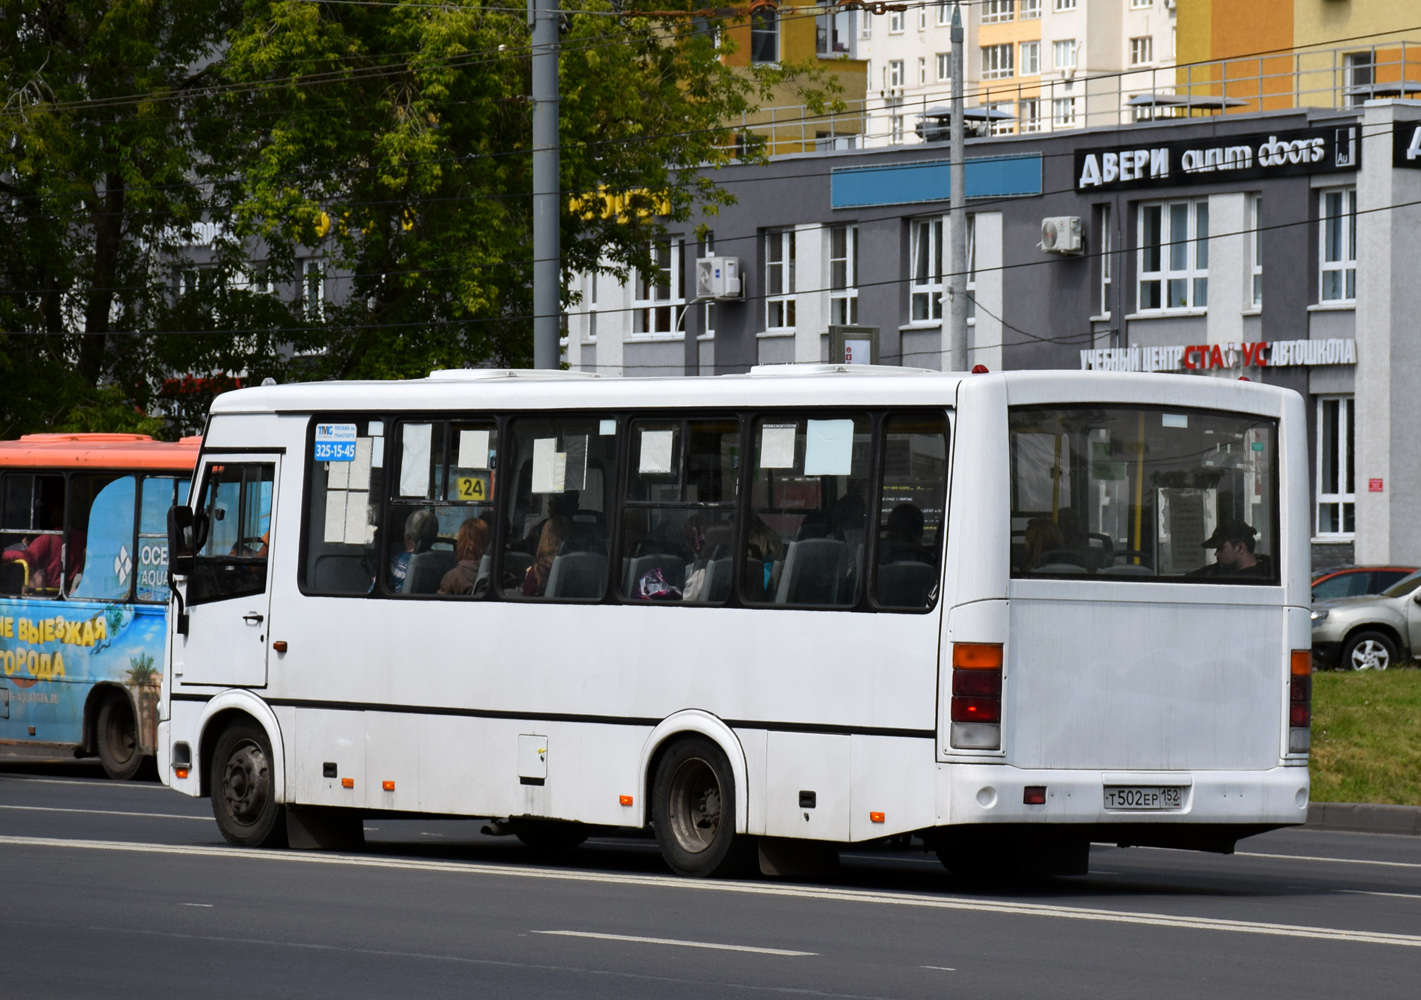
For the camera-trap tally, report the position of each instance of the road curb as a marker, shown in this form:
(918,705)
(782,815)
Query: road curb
(1365,817)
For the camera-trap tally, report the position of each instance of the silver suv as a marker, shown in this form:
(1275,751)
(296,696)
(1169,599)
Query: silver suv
(1369,633)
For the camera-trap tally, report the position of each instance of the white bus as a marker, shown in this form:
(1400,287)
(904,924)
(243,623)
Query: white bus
(789,610)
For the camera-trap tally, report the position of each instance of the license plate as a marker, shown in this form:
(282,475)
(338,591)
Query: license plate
(1144,797)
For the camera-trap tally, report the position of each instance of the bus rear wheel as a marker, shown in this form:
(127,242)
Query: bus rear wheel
(243,792)
(117,738)
(693,811)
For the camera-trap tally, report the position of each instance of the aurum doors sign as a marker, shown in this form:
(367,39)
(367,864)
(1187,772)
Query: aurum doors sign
(1239,157)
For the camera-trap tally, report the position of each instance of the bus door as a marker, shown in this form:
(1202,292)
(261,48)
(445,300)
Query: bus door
(229,591)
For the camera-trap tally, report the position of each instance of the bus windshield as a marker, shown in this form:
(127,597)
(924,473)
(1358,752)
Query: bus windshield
(1143,493)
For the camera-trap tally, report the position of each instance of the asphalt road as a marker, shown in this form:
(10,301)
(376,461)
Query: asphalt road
(127,890)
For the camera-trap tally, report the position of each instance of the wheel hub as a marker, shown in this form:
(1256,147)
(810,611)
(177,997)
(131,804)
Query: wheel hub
(695,806)
(245,783)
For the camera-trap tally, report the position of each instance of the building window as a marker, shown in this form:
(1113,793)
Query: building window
(998,10)
(1339,245)
(895,121)
(315,288)
(833,33)
(1063,54)
(926,285)
(1256,210)
(971,266)
(895,22)
(1030,58)
(708,324)
(661,292)
(1065,4)
(779,279)
(1141,4)
(1029,9)
(896,76)
(1107,250)
(923,19)
(944,66)
(765,36)
(866,25)
(997,61)
(1002,126)
(1142,50)
(1028,115)
(1360,75)
(922,69)
(843,275)
(944,14)
(1174,255)
(591,337)
(1063,112)
(1336,449)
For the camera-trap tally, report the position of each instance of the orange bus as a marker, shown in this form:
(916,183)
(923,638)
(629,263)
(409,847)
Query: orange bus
(84,590)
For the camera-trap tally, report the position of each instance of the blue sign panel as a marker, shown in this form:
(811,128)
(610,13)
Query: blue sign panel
(913,183)
(335,443)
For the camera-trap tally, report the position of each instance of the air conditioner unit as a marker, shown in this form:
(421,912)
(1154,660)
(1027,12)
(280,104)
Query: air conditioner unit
(1061,234)
(718,278)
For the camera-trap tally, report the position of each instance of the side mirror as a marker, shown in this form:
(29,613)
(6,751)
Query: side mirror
(182,540)
(1417,597)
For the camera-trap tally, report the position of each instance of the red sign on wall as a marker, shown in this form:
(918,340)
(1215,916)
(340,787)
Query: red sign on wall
(1374,485)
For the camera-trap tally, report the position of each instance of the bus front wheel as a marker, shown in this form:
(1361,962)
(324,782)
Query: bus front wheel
(117,739)
(243,793)
(693,811)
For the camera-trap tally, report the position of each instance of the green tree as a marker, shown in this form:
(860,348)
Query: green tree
(396,139)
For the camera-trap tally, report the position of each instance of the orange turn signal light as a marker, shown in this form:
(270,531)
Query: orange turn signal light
(625,800)
(875,817)
(181,772)
(977,655)
(389,786)
(1301,663)
(347,782)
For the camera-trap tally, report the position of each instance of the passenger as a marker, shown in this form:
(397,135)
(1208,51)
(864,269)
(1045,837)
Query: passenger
(45,558)
(1042,535)
(555,531)
(1233,542)
(902,534)
(421,528)
(762,547)
(850,513)
(469,550)
(1073,533)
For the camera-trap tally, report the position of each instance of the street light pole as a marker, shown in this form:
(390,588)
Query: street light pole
(957,217)
(547,251)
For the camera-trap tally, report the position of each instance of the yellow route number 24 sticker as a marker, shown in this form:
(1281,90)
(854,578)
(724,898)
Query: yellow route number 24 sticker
(472,489)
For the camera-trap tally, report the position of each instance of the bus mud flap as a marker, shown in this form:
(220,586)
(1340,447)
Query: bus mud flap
(787,857)
(323,828)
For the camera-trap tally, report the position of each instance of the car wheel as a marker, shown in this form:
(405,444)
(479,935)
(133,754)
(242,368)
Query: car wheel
(1368,651)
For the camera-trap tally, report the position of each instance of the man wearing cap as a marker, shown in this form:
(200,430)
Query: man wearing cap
(1233,539)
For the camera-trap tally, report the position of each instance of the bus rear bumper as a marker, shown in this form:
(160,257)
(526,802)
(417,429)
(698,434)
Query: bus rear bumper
(995,793)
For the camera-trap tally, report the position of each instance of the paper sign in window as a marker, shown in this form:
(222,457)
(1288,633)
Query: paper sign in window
(338,475)
(335,516)
(829,448)
(473,449)
(377,453)
(360,468)
(414,460)
(575,468)
(607,427)
(357,518)
(656,452)
(548,466)
(777,446)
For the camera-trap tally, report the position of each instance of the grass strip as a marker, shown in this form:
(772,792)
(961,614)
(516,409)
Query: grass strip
(1366,737)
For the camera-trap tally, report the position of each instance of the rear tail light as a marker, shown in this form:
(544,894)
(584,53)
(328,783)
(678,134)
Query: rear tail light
(976,696)
(1300,701)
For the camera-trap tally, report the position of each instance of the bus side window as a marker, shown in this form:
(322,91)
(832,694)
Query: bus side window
(31,522)
(340,528)
(557,536)
(911,505)
(100,550)
(809,510)
(151,560)
(236,498)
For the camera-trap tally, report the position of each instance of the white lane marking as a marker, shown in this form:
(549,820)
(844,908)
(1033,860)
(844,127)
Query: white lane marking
(107,812)
(97,782)
(680,944)
(963,904)
(1366,892)
(937,968)
(1340,861)
(205,906)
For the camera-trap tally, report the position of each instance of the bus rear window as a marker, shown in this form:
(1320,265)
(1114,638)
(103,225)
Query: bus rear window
(1125,492)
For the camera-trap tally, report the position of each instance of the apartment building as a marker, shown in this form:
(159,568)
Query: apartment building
(1028,63)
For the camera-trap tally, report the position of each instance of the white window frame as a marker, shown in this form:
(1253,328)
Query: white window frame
(1337,245)
(922,70)
(922,19)
(971,286)
(708,317)
(1182,271)
(590,334)
(313,292)
(779,281)
(1142,50)
(1065,4)
(1002,126)
(657,308)
(897,74)
(769,24)
(1065,54)
(1028,115)
(1255,207)
(944,67)
(1141,4)
(843,273)
(998,61)
(896,122)
(944,14)
(895,22)
(1107,257)
(1063,112)
(1342,466)
(1029,58)
(998,11)
(865,24)
(824,32)
(925,269)
(1028,10)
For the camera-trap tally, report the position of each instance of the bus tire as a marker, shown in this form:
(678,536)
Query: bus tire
(1368,651)
(116,738)
(693,811)
(243,793)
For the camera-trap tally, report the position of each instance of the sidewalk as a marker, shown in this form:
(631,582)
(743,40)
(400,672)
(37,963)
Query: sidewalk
(1365,817)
